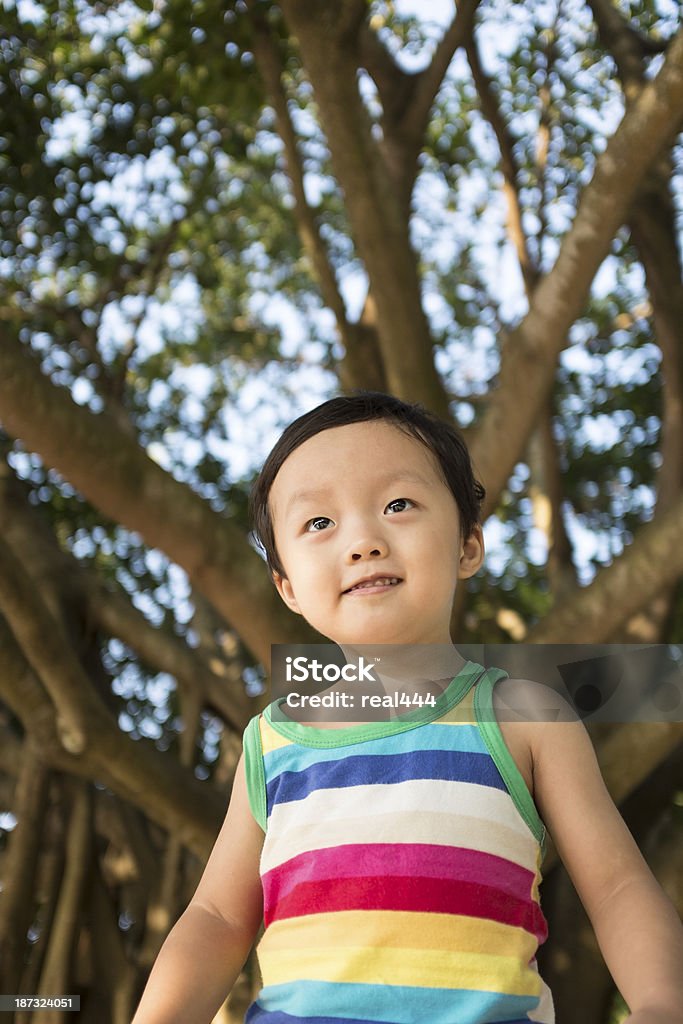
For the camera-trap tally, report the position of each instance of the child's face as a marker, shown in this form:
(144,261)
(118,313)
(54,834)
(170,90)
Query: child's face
(361,500)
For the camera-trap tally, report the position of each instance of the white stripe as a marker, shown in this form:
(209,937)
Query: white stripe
(400,798)
(482,827)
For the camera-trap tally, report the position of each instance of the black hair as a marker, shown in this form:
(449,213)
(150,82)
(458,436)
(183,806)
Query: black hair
(441,438)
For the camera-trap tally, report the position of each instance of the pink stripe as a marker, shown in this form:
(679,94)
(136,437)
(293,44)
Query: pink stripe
(423,860)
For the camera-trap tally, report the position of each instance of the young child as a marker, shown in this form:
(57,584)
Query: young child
(396,863)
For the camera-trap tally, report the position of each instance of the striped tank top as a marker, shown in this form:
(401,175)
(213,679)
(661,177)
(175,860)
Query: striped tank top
(400,868)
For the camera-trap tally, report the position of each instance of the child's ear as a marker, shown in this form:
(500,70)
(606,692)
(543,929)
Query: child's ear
(284,589)
(471,553)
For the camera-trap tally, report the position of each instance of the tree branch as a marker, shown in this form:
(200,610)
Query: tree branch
(379,217)
(428,82)
(135,770)
(222,688)
(652,226)
(627,46)
(56,969)
(408,98)
(546,490)
(113,970)
(46,648)
(362,365)
(508,166)
(591,614)
(113,472)
(347,16)
(65,582)
(19,867)
(395,86)
(11,750)
(48,877)
(270,65)
(528,362)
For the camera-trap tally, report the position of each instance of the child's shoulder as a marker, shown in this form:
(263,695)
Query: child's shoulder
(526,700)
(520,707)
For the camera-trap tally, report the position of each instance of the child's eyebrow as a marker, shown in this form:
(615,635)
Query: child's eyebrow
(311,493)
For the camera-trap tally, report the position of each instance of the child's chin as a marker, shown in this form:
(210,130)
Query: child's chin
(371,636)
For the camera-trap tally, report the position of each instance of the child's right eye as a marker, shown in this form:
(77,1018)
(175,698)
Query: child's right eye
(312,526)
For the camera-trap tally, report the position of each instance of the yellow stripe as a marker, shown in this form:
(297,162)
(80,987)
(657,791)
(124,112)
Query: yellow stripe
(270,739)
(538,877)
(428,968)
(462,713)
(398,929)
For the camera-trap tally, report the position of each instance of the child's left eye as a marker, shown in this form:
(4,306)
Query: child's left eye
(400,501)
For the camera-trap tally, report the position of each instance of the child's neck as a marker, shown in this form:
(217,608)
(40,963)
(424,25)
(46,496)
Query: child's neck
(408,665)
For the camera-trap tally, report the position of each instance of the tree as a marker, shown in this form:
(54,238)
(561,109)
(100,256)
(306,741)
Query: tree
(482,216)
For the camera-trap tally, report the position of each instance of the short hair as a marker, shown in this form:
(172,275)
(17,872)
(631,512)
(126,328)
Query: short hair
(441,438)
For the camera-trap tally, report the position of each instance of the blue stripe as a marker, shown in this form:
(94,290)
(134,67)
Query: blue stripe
(255,1015)
(379,1004)
(449,765)
(466,738)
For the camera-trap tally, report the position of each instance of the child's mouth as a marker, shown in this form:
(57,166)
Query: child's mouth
(376,586)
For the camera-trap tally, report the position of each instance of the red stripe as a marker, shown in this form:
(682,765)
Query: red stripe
(422,895)
(426,860)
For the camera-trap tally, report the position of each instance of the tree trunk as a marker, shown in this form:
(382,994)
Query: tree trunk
(56,975)
(17,905)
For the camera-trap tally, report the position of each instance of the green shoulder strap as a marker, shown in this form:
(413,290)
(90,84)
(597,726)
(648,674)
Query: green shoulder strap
(497,748)
(253,767)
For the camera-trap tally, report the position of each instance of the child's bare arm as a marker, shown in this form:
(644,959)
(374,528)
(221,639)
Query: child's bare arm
(205,951)
(637,927)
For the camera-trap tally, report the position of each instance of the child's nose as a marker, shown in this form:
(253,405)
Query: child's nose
(368,547)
